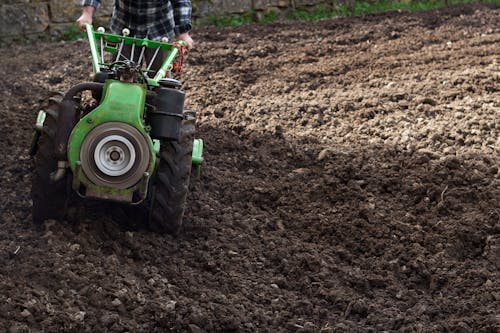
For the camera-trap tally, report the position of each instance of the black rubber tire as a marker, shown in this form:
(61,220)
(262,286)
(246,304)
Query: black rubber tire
(171,185)
(49,198)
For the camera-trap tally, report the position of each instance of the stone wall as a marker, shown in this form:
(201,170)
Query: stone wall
(33,19)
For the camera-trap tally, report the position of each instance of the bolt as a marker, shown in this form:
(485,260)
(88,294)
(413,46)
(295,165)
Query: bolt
(115,156)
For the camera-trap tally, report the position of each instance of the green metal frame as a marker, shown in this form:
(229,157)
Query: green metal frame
(197,157)
(121,102)
(111,43)
(40,119)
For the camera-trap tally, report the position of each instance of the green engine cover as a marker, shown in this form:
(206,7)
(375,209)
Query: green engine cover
(121,102)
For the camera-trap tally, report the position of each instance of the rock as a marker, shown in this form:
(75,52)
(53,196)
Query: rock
(170,306)
(194,328)
(108,319)
(452,162)
(462,327)
(397,97)
(219,113)
(427,100)
(116,302)
(477,176)
(234,7)
(64,11)
(28,18)
(25,313)
(140,298)
(67,11)
(260,189)
(14,329)
(492,250)
(79,316)
(309,327)
(327,152)
(429,153)
(449,151)
(301,171)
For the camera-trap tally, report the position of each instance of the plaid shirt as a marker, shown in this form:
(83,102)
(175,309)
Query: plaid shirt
(153,19)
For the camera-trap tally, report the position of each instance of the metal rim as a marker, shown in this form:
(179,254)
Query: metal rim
(114,155)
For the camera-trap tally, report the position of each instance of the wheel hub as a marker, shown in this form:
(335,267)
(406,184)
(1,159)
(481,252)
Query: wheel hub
(114,155)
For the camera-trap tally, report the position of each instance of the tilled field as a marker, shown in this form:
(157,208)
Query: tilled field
(351,184)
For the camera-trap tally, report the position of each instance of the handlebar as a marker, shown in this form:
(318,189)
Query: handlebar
(113,44)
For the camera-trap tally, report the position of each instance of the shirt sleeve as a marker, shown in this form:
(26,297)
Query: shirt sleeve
(182,16)
(93,3)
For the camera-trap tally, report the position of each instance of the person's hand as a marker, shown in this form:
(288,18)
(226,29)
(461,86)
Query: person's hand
(187,39)
(85,18)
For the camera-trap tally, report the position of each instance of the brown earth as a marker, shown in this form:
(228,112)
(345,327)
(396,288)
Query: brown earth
(351,184)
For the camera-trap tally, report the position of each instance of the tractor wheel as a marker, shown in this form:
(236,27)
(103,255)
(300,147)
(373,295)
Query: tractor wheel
(49,198)
(170,189)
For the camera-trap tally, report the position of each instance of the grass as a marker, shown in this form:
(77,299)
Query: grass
(246,18)
(366,7)
(325,11)
(233,20)
(270,16)
(72,33)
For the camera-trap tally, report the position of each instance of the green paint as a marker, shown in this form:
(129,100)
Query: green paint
(40,119)
(197,156)
(93,48)
(111,44)
(72,33)
(162,72)
(156,146)
(121,102)
(114,194)
(153,83)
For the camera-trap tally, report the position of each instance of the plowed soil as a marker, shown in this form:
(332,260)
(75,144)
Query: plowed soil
(351,184)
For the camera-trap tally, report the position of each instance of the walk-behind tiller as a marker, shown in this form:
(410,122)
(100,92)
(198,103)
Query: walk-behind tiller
(135,144)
